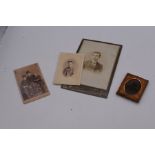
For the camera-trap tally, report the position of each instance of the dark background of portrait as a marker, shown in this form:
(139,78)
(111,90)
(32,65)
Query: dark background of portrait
(21,46)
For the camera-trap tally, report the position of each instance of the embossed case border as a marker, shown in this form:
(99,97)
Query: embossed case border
(92,90)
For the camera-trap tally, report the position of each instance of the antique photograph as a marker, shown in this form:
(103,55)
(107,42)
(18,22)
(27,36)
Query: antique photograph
(69,69)
(132,87)
(99,65)
(31,83)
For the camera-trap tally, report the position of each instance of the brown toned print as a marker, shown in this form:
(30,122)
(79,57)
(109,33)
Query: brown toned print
(69,69)
(31,83)
(99,66)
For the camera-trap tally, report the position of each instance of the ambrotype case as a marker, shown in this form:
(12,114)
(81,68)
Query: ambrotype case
(132,87)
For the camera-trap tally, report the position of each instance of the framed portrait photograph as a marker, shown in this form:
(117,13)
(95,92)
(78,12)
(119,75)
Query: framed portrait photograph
(132,87)
(31,83)
(99,66)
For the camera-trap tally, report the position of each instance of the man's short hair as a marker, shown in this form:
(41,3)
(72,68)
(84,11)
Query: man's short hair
(96,52)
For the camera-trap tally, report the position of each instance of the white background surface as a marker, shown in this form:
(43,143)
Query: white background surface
(66,109)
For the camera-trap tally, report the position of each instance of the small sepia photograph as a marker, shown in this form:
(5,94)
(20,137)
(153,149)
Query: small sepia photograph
(69,69)
(31,83)
(99,65)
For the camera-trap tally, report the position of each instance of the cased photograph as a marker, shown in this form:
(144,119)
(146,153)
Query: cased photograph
(69,69)
(99,65)
(132,87)
(31,83)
